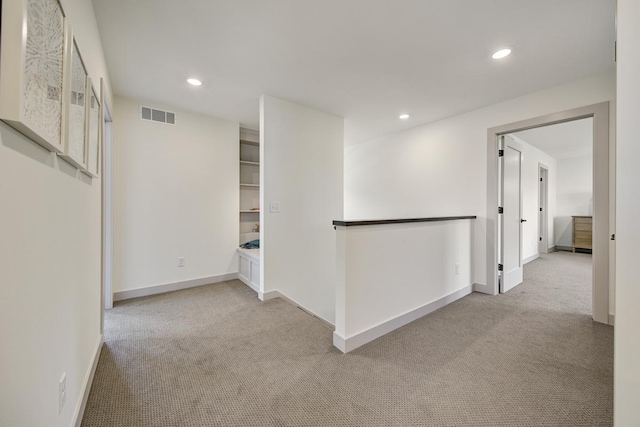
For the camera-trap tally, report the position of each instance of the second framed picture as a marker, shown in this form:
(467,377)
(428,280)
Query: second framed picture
(94,132)
(76,108)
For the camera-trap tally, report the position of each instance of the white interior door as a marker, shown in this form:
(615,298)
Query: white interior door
(512,216)
(543,191)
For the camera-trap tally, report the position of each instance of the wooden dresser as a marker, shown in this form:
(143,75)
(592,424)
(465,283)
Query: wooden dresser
(582,230)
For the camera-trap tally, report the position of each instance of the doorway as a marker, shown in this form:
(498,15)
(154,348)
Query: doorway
(601,206)
(107,204)
(543,208)
(554,159)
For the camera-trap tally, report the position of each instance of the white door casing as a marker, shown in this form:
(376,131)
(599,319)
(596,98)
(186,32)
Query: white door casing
(603,214)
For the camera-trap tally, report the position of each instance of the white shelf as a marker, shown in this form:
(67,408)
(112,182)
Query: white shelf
(249,181)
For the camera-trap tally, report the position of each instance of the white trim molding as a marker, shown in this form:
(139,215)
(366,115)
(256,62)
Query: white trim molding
(169,287)
(86,387)
(266,296)
(480,287)
(351,343)
(533,257)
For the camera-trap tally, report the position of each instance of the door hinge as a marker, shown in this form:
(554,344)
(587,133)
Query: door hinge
(500,267)
(613,237)
(540,209)
(500,153)
(500,209)
(541,239)
(540,179)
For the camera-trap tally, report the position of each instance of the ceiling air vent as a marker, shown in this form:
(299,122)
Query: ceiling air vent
(159,116)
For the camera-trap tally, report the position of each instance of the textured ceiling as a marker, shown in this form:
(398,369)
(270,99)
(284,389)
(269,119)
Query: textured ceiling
(365,60)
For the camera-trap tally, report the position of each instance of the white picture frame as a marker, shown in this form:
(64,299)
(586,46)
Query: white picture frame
(33,53)
(94,132)
(76,101)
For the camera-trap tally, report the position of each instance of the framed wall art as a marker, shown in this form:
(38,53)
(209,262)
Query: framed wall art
(76,101)
(33,49)
(93,133)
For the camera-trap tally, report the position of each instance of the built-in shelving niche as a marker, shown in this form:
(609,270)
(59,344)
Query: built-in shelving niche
(249,185)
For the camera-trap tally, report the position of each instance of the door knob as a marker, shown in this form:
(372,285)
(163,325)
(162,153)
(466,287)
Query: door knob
(523,220)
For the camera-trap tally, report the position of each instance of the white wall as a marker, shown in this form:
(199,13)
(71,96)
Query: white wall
(391,274)
(49,266)
(531,160)
(627,345)
(439,169)
(574,193)
(175,195)
(301,156)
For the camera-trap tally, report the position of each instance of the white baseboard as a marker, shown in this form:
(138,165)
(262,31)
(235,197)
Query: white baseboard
(482,288)
(168,287)
(564,248)
(266,296)
(551,249)
(348,344)
(612,319)
(86,388)
(531,258)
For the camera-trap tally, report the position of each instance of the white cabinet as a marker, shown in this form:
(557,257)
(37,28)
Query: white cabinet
(249,267)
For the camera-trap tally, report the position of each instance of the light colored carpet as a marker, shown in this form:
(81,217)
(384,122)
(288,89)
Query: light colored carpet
(216,356)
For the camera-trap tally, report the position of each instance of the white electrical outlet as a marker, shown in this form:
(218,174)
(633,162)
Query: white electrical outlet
(457,268)
(62,392)
(274,207)
(182,261)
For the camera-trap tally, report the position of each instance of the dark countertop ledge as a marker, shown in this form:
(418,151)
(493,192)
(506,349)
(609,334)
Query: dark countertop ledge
(399,221)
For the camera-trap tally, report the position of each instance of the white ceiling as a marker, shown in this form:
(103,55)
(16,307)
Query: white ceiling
(561,141)
(365,60)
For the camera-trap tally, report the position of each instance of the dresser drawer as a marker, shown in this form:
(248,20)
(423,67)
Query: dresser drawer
(582,244)
(582,235)
(583,227)
(583,220)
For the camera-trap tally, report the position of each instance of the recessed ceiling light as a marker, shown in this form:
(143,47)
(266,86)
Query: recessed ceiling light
(194,82)
(501,53)
(403,116)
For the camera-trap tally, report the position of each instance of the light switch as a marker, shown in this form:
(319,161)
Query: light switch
(274,207)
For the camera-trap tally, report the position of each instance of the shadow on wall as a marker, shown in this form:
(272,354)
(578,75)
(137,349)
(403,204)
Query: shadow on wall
(563,230)
(19,143)
(571,204)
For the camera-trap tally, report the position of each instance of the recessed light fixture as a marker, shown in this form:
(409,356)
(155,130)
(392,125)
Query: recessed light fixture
(403,116)
(501,53)
(194,82)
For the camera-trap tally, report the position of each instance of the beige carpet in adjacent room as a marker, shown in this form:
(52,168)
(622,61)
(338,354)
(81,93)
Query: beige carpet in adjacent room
(216,356)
